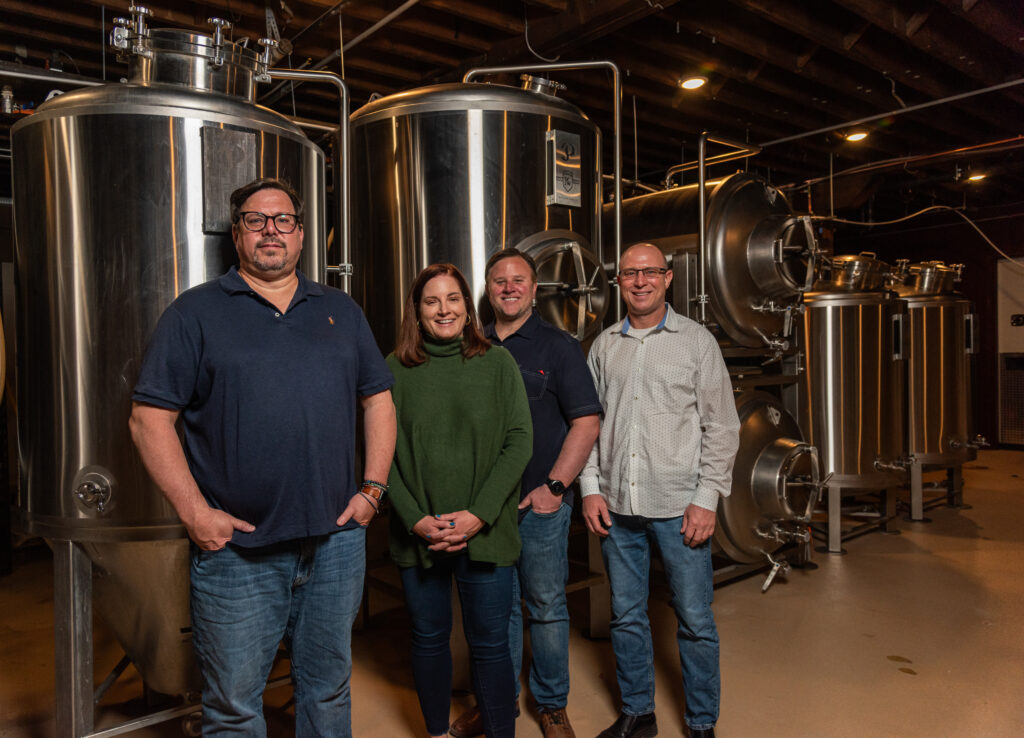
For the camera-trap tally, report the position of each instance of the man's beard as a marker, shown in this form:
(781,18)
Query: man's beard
(271,263)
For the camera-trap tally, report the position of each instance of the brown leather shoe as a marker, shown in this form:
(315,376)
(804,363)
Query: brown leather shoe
(555,724)
(469,724)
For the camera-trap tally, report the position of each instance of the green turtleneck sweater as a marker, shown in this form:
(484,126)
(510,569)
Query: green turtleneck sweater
(464,438)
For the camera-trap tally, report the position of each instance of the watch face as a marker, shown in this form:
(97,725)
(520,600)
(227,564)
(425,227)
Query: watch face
(556,487)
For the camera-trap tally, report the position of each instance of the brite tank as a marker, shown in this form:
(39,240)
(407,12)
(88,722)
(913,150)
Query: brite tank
(941,341)
(455,172)
(760,256)
(121,203)
(852,387)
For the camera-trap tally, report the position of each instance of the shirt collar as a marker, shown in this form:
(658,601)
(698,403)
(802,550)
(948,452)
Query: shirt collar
(233,283)
(526,330)
(669,321)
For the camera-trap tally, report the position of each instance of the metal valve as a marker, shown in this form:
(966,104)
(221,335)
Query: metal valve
(93,494)
(779,566)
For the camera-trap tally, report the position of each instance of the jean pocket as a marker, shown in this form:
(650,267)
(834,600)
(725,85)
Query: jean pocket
(553,513)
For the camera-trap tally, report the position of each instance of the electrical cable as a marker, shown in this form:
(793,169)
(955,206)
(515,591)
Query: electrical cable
(919,213)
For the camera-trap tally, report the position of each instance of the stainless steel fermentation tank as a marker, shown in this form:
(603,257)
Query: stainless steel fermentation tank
(455,172)
(760,255)
(121,203)
(851,395)
(941,340)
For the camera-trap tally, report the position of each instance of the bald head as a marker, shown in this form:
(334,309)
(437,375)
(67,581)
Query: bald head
(647,252)
(644,278)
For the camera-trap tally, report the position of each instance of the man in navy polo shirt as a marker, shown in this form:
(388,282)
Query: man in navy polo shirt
(565,410)
(265,368)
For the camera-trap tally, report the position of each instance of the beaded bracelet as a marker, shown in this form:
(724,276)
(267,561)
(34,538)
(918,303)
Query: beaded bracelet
(378,485)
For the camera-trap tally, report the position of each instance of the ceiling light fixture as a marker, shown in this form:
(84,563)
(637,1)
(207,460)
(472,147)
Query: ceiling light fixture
(976,177)
(693,83)
(856,136)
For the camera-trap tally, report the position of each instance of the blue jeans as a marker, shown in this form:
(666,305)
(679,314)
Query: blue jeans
(305,592)
(485,592)
(543,573)
(627,559)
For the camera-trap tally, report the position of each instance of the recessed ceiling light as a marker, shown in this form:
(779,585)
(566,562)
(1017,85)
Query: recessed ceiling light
(692,83)
(976,177)
(856,136)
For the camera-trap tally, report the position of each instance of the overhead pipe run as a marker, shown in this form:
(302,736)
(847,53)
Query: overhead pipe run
(276,92)
(341,163)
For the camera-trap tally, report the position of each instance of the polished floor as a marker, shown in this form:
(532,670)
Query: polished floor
(918,634)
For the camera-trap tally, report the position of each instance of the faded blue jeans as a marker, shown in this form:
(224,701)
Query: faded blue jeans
(543,572)
(485,593)
(627,559)
(305,592)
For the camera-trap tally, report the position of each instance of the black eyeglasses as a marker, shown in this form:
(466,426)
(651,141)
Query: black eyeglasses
(255,221)
(650,272)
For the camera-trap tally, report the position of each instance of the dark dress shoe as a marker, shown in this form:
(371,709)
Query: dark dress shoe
(632,726)
(702,733)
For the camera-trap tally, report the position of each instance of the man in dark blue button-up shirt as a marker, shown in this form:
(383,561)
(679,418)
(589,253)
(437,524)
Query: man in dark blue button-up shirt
(265,368)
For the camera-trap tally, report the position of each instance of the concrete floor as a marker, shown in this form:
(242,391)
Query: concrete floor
(915,634)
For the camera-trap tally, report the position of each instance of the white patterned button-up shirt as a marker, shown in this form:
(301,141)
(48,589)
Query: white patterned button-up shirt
(670,429)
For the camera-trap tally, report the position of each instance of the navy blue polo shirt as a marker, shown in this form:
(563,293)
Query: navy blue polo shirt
(267,399)
(559,386)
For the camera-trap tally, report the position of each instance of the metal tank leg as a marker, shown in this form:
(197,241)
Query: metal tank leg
(916,492)
(955,486)
(72,624)
(835,515)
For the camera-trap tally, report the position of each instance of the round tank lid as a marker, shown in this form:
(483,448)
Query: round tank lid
(462,96)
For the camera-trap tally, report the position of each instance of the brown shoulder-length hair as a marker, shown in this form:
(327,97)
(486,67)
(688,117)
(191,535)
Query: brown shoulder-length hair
(410,349)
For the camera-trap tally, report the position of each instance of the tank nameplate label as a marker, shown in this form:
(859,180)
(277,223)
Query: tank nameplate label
(229,161)
(565,181)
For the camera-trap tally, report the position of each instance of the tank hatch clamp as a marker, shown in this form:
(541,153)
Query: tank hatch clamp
(131,32)
(219,26)
(584,286)
(265,58)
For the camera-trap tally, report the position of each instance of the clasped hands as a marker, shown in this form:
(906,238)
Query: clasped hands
(449,532)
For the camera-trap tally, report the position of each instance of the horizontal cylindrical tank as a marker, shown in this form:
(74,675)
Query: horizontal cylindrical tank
(852,387)
(941,340)
(760,256)
(773,482)
(456,172)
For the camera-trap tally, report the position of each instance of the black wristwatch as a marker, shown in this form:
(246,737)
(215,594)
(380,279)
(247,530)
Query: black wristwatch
(556,487)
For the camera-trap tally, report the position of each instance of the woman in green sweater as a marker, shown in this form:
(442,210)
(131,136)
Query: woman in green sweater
(464,438)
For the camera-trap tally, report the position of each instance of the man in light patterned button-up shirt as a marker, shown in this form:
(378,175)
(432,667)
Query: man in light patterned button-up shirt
(663,458)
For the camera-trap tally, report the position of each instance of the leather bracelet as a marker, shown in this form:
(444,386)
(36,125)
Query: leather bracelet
(373,502)
(371,483)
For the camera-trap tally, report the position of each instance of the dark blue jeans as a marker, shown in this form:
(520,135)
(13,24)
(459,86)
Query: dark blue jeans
(305,592)
(627,559)
(543,571)
(485,592)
